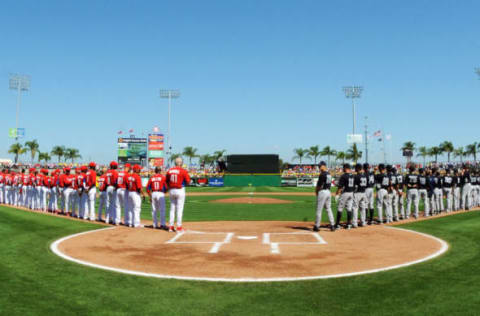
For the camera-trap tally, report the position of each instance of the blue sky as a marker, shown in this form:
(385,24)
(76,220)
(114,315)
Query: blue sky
(255,76)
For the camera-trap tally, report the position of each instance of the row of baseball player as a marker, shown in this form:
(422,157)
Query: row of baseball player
(355,193)
(61,191)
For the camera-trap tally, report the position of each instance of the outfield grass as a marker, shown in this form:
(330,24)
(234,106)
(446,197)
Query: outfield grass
(34,281)
(250,189)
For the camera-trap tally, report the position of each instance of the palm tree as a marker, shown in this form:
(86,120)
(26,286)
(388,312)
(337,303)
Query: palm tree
(299,154)
(423,151)
(72,153)
(174,156)
(314,152)
(32,148)
(472,150)
(434,152)
(459,152)
(44,156)
(58,151)
(448,148)
(17,149)
(190,152)
(410,146)
(206,159)
(340,155)
(327,151)
(219,154)
(353,153)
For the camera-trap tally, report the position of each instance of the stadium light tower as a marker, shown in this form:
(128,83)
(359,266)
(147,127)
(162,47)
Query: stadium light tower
(353,92)
(169,94)
(20,83)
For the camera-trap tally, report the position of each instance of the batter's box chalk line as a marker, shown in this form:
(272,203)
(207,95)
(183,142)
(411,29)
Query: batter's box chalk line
(275,246)
(216,244)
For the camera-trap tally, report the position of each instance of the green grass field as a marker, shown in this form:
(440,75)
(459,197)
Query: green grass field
(34,281)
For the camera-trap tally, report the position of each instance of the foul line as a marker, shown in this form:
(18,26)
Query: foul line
(54,248)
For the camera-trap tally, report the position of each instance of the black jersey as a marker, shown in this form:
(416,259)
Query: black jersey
(473,179)
(400,180)
(466,178)
(324,181)
(422,182)
(437,182)
(412,181)
(382,181)
(361,182)
(457,181)
(371,180)
(347,182)
(447,181)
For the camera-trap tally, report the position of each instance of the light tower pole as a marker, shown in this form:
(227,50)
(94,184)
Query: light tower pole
(169,94)
(353,92)
(366,140)
(20,83)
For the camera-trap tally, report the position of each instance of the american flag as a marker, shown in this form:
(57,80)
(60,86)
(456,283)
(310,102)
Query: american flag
(156,129)
(377,133)
(130,130)
(120,133)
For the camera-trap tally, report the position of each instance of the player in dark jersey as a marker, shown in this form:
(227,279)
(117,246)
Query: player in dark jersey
(346,186)
(382,181)
(369,192)
(323,197)
(360,198)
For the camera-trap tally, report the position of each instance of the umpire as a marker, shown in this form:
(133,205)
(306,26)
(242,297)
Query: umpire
(324,200)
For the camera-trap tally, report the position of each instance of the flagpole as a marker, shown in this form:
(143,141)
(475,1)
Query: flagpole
(366,140)
(384,152)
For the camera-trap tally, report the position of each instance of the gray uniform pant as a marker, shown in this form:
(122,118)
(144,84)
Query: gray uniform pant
(360,201)
(383,203)
(449,194)
(399,204)
(436,200)
(412,196)
(346,201)
(423,195)
(466,195)
(324,201)
(456,198)
(369,197)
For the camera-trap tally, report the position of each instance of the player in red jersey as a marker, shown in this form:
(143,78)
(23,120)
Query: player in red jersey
(17,183)
(54,192)
(8,187)
(102,187)
(177,179)
(134,186)
(26,188)
(45,189)
(111,180)
(81,178)
(122,195)
(156,189)
(31,196)
(39,190)
(66,182)
(91,190)
(2,187)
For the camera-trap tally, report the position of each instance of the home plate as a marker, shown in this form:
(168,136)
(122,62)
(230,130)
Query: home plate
(247,237)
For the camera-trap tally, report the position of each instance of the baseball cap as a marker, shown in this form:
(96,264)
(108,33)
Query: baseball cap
(83,168)
(113,164)
(322,163)
(347,166)
(127,165)
(137,168)
(92,164)
(358,166)
(366,166)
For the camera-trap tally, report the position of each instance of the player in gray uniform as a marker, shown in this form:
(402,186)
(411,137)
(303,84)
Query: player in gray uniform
(411,184)
(360,198)
(473,183)
(457,182)
(447,181)
(369,192)
(392,195)
(423,192)
(466,190)
(324,200)
(436,198)
(382,181)
(399,203)
(346,186)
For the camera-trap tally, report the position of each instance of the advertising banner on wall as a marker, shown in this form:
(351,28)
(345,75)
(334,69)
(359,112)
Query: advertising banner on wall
(155,150)
(132,151)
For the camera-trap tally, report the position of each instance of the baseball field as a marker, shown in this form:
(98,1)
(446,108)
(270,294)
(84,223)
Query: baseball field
(34,280)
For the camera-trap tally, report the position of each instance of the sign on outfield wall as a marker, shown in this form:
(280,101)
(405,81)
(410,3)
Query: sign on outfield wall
(155,150)
(305,182)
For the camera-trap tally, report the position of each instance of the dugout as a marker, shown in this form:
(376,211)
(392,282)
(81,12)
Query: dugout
(252,170)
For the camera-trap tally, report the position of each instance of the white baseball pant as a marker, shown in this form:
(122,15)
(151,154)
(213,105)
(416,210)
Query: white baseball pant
(177,202)
(158,206)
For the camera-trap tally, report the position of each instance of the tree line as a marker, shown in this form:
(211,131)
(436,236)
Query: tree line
(192,153)
(445,147)
(314,152)
(33,148)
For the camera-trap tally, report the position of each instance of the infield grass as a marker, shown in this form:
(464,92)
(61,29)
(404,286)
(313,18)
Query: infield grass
(34,281)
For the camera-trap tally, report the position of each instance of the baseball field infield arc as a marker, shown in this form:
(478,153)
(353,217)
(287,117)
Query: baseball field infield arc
(252,200)
(249,251)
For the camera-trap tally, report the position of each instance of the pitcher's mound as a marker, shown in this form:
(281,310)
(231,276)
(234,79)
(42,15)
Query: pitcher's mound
(252,200)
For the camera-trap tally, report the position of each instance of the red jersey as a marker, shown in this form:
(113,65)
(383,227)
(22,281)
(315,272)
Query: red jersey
(134,183)
(67,180)
(102,185)
(39,180)
(56,179)
(91,179)
(48,182)
(8,179)
(111,177)
(81,180)
(17,179)
(26,180)
(122,180)
(74,180)
(33,179)
(157,183)
(177,178)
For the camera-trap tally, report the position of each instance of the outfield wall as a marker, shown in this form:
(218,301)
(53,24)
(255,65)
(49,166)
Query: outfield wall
(255,180)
